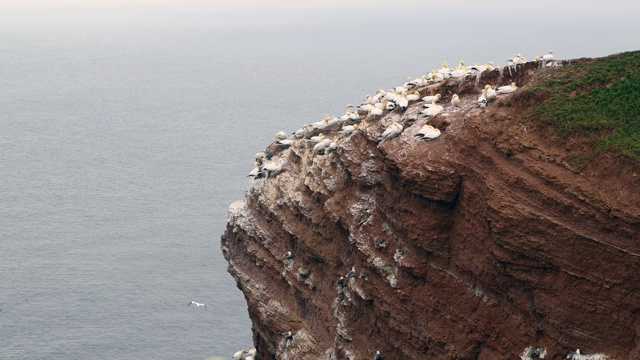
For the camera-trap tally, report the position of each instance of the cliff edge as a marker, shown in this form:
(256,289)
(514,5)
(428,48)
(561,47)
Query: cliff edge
(507,236)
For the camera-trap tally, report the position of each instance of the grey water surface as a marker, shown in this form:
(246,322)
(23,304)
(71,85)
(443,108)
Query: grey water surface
(126,133)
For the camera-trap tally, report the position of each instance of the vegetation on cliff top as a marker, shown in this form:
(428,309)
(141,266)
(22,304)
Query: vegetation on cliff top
(600,96)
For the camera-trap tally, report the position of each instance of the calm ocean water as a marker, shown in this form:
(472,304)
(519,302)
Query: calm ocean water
(125,135)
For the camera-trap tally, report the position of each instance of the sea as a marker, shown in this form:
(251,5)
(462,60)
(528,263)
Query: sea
(126,132)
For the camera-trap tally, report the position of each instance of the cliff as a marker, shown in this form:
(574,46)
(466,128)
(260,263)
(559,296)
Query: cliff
(505,234)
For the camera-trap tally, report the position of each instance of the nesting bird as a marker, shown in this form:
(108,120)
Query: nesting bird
(455,100)
(432,110)
(428,132)
(507,89)
(238,355)
(482,100)
(393,130)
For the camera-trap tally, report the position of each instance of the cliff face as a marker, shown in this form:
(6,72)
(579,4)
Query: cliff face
(489,240)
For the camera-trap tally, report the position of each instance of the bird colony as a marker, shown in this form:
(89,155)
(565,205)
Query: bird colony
(326,135)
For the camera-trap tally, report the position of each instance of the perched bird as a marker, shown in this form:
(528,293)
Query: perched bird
(288,255)
(349,129)
(351,272)
(432,109)
(482,100)
(455,100)
(507,89)
(548,57)
(238,355)
(571,355)
(281,135)
(302,132)
(340,281)
(377,356)
(317,138)
(319,147)
(413,96)
(429,99)
(288,335)
(197,304)
(284,142)
(320,125)
(491,92)
(393,130)
(428,132)
(255,173)
(252,352)
(378,110)
(271,169)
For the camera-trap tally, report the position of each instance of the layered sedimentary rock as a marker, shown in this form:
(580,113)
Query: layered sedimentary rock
(478,245)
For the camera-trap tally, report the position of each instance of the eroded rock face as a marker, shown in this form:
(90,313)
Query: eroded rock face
(477,245)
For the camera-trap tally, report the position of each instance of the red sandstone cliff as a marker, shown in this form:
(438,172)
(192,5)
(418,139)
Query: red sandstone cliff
(477,245)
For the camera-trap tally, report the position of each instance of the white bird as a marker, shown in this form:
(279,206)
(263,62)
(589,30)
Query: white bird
(255,173)
(482,100)
(319,147)
(197,304)
(252,352)
(378,110)
(571,355)
(402,101)
(429,99)
(413,96)
(271,168)
(428,132)
(548,57)
(455,100)
(432,110)
(302,132)
(393,130)
(284,142)
(379,95)
(491,92)
(349,129)
(507,89)
(320,125)
(351,272)
(238,355)
(437,77)
(317,138)
(281,135)
(347,113)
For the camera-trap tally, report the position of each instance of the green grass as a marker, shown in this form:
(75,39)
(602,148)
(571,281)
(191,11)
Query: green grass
(606,101)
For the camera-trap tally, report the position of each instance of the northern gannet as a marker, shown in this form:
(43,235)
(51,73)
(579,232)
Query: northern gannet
(437,77)
(491,92)
(347,113)
(413,96)
(378,110)
(319,147)
(393,130)
(432,110)
(197,304)
(507,89)
(571,355)
(317,138)
(255,173)
(271,169)
(429,99)
(348,129)
(302,132)
(482,100)
(402,101)
(284,142)
(281,135)
(320,125)
(455,100)
(352,272)
(379,95)
(238,355)
(428,132)
(517,60)
(548,57)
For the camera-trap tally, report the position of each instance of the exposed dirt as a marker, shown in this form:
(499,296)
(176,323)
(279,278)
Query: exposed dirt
(499,235)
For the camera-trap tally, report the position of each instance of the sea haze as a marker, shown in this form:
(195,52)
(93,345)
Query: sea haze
(126,133)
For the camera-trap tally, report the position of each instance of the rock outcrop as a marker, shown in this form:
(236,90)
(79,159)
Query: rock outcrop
(488,241)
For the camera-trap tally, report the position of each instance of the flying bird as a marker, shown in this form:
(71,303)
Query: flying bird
(197,304)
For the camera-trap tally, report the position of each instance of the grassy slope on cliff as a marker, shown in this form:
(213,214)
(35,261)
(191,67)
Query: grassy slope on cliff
(600,96)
